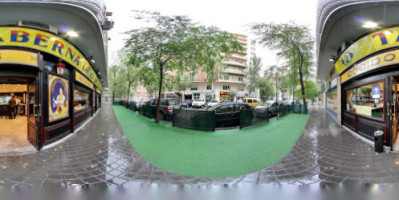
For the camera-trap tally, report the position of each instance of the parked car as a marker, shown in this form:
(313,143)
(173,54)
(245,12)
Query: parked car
(198,103)
(226,101)
(253,102)
(274,108)
(212,103)
(264,105)
(166,107)
(187,103)
(228,114)
(140,103)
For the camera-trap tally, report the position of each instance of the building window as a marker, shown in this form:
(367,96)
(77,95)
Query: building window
(366,100)
(240,88)
(226,87)
(226,59)
(194,87)
(240,78)
(226,77)
(196,96)
(209,87)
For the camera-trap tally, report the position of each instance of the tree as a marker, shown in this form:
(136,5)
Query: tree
(312,91)
(253,73)
(175,43)
(266,88)
(160,44)
(295,44)
(275,72)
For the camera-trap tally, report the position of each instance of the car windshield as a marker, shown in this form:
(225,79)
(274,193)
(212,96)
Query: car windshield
(213,101)
(198,100)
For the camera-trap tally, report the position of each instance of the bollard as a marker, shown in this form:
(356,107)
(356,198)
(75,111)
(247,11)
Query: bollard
(378,141)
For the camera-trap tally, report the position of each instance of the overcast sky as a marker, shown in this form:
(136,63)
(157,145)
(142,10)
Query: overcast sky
(229,15)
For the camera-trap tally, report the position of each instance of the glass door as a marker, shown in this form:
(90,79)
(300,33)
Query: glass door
(34,113)
(393,111)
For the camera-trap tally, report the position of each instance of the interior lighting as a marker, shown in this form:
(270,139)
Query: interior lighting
(72,34)
(370,24)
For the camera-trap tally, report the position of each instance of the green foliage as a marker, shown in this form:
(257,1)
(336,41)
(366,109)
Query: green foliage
(232,94)
(295,44)
(266,87)
(254,73)
(312,91)
(177,46)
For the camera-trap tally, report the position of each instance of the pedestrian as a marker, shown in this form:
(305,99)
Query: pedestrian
(13,107)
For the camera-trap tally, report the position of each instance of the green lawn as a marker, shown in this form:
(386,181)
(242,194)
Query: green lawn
(221,153)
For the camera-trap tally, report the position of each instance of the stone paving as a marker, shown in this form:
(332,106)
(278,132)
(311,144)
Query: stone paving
(100,154)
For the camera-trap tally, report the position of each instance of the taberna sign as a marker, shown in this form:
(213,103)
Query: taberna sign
(49,43)
(367,45)
(381,60)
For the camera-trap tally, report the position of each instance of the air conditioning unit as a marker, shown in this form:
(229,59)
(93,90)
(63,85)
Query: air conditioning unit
(46,27)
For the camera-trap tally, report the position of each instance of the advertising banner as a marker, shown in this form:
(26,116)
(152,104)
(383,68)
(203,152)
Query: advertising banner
(49,43)
(58,97)
(367,45)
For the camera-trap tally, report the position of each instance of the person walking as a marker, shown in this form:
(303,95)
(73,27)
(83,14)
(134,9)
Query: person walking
(13,107)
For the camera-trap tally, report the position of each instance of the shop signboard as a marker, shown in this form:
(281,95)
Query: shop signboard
(81,79)
(367,45)
(381,60)
(49,43)
(58,97)
(98,91)
(9,56)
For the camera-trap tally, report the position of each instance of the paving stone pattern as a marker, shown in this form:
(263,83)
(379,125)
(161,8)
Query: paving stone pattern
(100,154)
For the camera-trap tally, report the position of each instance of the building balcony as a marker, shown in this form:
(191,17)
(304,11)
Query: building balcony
(234,63)
(234,71)
(230,81)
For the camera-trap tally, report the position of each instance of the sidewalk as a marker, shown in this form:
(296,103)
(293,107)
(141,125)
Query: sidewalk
(101,154)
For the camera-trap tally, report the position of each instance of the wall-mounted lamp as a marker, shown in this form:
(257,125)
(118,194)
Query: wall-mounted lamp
(333,58)
(92,60)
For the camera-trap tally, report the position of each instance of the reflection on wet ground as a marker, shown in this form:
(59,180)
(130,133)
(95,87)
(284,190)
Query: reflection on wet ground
(101,155)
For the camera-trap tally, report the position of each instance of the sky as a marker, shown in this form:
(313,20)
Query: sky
(229,15)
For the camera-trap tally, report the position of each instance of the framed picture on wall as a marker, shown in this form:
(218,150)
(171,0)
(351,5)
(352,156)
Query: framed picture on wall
(58,97)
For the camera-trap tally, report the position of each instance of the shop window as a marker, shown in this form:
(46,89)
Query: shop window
(367,100)
(81,100)
(332,100)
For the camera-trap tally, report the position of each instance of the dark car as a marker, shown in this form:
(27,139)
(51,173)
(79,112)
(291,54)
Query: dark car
(187,103)
(165,109)
(228,114)
(274,108)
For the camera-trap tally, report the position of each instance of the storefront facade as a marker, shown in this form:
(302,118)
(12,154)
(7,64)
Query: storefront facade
(64,84)
(361,74)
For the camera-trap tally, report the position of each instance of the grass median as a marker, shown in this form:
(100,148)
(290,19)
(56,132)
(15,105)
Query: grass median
(222,153)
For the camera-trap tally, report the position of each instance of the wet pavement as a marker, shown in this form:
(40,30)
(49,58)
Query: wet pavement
(100,154)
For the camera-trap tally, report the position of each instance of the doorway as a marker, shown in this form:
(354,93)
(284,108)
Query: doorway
(393,111)
(18,113)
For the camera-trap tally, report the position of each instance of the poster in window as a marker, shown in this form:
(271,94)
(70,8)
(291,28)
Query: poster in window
(376,91)
(58,97)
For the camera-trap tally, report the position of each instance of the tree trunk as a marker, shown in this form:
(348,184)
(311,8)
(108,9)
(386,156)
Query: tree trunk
(128,91)
(302,85)
(159,93)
